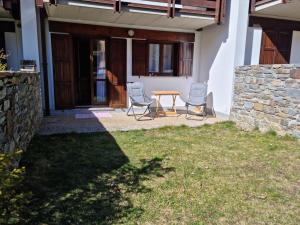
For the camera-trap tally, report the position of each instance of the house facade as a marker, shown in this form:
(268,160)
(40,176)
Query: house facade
(87,50)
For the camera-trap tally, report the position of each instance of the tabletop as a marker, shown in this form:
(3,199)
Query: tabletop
(166,92)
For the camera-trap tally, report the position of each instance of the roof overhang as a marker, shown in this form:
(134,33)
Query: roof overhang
(279,9)
(92,13)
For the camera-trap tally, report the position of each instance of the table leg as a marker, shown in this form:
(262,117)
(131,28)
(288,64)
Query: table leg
(174,104)
(157,105)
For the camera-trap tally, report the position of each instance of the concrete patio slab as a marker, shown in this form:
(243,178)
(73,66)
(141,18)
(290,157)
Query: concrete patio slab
(70,122)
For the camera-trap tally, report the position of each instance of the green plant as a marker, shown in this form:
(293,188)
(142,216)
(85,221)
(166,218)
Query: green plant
(12,199)
(271,132)
(3,57)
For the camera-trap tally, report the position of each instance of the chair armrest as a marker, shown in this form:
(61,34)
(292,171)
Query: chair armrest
(193,104)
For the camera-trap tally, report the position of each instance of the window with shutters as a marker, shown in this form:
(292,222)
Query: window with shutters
(162,58)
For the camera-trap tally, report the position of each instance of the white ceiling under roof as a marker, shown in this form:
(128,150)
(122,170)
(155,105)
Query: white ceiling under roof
(130,18)
(289,11)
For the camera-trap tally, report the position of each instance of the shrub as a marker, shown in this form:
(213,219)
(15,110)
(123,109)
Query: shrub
(13,200)
(3,65)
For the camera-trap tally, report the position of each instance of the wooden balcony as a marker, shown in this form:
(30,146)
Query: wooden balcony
(171,8)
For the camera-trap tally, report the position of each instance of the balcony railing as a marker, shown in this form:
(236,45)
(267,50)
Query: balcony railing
(205,8)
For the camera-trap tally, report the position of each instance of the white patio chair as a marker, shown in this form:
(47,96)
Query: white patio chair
(197,98)
(138,98)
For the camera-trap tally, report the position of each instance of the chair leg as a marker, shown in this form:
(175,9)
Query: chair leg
(190,116)
(213,112)
(204,111)
(150,113)
(139,116)
(187,111)
(129,110)
(134,113)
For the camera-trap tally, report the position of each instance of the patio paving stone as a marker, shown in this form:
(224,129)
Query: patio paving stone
(66,122)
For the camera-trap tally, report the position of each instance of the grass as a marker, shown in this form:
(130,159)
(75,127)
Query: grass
(214,174)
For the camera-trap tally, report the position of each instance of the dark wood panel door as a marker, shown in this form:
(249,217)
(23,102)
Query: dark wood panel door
(276,47)
(62,52)
(82,72)
(117,73)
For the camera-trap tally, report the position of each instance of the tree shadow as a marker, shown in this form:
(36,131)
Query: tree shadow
(84,179)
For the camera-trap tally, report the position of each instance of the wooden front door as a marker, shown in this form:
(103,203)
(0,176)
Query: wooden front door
(276,47)
(62,51)
(117,73)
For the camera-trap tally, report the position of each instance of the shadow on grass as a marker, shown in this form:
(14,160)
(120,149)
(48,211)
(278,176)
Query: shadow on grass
(84,179)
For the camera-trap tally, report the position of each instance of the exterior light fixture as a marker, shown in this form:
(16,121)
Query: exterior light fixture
(130,33)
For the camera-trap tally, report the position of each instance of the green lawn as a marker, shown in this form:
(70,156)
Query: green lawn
(174,175)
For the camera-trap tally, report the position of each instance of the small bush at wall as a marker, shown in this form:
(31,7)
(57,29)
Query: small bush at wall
(3,57)
(13,200)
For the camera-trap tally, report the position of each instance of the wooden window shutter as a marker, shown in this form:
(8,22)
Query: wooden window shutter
(139,58)
(276,47)
(186,51)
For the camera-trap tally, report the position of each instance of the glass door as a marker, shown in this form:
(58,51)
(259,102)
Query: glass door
(98,70)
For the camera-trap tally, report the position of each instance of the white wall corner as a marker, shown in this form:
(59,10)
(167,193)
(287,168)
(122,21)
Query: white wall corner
(242,20)
(49,66)
(19,41)
(222,49)
(41,60)
(197,57)
(253,45)
(129,63)
(295,51)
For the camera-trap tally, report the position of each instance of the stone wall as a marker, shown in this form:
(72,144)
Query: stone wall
(267,97)
(20,109)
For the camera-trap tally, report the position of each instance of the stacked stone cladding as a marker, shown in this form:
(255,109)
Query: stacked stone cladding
(20,109)
(267,97)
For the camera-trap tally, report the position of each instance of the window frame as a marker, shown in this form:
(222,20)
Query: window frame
(161,59)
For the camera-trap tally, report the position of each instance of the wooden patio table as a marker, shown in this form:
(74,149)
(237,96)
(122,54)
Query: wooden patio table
(158,95)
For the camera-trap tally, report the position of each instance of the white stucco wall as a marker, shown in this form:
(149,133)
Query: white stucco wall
(295,52)
(49,66)
(30,38)
(13,46)
(19,42)
(222,49)
(253,45)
